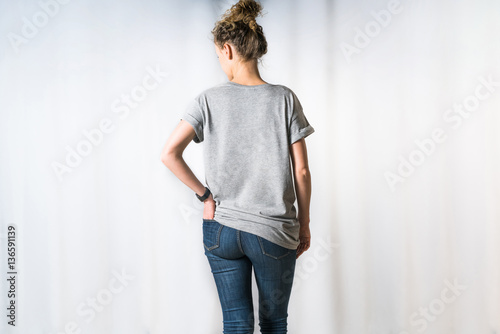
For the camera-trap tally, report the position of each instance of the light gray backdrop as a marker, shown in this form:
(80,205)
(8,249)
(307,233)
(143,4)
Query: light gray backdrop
(404,97)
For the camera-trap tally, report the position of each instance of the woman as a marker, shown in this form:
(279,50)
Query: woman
(250,129)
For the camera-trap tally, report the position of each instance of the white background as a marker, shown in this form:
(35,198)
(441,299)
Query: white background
(383,257)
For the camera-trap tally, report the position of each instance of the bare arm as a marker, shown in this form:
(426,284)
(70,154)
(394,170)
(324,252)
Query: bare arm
(171,156)
(302,179)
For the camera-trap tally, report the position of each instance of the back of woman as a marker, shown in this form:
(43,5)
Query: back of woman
(247,132)
(255,168)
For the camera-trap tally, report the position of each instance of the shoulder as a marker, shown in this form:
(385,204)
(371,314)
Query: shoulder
(222,89)
(208,91)
(285,90)
(204,93)
(282,87)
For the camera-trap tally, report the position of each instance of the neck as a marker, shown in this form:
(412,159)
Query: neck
(247,73)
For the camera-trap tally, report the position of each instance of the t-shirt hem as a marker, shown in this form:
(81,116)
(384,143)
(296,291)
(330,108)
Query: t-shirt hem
(242,225)
(244,228)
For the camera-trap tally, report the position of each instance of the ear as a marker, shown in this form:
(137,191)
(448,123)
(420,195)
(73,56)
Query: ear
(228,50)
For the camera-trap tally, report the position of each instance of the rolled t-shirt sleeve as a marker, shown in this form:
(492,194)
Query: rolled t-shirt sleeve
(299,126)
(193,114)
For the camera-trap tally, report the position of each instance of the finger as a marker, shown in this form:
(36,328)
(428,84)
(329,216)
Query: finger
(298,254)
(300,250)
(304,247)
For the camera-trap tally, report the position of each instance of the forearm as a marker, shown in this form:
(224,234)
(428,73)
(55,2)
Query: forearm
(178,166)
(302,180)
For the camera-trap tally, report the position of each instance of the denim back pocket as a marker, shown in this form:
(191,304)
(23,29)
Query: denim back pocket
(273,250)
(211,233)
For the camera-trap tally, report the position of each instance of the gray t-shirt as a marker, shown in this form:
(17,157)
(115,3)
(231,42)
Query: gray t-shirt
(247,132)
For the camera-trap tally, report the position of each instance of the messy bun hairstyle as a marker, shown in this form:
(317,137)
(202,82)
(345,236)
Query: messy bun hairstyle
(238,26)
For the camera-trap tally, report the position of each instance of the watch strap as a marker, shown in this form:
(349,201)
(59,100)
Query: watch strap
(205,195)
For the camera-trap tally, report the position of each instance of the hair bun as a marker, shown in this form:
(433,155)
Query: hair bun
(238,26)
(245,11)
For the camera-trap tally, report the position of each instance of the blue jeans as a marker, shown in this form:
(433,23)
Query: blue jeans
(231,254)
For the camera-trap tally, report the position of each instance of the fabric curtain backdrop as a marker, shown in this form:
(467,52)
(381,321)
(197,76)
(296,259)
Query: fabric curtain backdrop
(404,98)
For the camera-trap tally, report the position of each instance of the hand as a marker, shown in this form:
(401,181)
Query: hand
(209,208)
(305,239)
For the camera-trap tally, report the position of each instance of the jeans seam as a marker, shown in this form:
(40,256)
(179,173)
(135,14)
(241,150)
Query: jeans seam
(239,241)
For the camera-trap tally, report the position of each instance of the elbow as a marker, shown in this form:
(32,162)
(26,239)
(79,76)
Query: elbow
(164,159)
(167,158)
(303,173)
(303,170)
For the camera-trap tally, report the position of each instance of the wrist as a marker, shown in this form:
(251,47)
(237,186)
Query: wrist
(303,220)
(204,196)
(209,199)
(200,191)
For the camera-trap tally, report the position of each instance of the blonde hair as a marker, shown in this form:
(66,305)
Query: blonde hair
(238,26)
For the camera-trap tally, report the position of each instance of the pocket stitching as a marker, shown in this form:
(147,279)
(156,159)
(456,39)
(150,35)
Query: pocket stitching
(270,255)
(217,237)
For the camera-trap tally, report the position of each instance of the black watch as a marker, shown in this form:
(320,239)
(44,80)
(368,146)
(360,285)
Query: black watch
(205,195)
